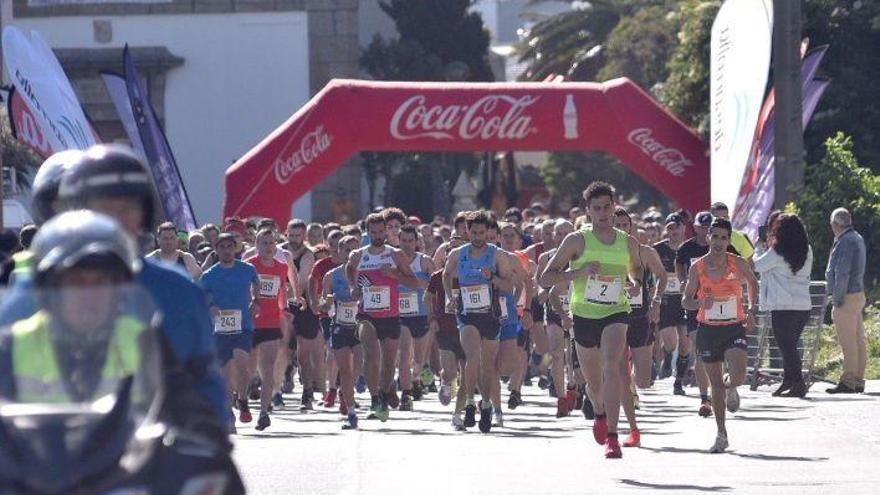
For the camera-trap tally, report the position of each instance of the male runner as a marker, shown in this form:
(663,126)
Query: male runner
(168,252)
(272,299)
(443,325)
(395,219)
(316,281)
(413,319)
(336,294)
(482,270)
(738,240)
(644,298)
(309,339)
(687,254)
(459,234)
(672,322)
(233,287)
(374,273)
(600,258)
(714,290)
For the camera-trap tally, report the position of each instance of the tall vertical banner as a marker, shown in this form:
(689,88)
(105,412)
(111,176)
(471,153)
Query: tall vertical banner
(156,149)
(740,63)
(757,192)
(51,113)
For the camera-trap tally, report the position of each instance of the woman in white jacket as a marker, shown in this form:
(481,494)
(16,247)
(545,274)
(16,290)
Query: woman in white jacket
(784,268)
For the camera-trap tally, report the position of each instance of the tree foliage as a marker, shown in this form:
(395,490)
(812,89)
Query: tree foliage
(15,154)
(438,40)
(839,181)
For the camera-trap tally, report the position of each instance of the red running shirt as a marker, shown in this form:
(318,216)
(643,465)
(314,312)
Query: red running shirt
(273,296)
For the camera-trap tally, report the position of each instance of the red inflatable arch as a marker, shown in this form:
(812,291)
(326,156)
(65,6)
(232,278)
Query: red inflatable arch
(349,116)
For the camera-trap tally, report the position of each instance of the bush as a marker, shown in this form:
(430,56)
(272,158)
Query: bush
(837,181)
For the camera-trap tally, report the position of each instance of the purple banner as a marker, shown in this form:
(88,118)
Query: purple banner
(172,192)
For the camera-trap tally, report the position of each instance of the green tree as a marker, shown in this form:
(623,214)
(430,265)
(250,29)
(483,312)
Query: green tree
(15,154)
(686,90)
(839,181)
(439,40)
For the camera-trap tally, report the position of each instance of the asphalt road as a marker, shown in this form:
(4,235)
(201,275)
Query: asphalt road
(821,444)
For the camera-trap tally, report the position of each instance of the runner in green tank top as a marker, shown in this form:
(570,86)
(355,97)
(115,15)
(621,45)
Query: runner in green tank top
(598,261)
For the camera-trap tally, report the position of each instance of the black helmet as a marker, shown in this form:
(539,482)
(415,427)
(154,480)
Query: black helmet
(79,239)
(45,188)
(109,171)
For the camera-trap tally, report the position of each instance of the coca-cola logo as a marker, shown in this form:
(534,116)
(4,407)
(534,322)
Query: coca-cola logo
(669,158)
(310,148)
(490,117)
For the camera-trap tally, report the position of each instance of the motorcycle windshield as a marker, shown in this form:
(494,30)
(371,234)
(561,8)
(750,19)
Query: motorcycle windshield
(82,350)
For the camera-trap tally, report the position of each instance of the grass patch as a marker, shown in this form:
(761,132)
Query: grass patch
(829,360)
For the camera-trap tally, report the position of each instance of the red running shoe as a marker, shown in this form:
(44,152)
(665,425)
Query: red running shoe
(612,449)
(244,412)
(343,409)
(633,440)
(562,408)
(600,430)
(571,396)
(330,398)
(705,409)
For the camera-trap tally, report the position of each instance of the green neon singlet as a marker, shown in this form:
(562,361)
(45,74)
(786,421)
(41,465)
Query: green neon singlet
(605,294)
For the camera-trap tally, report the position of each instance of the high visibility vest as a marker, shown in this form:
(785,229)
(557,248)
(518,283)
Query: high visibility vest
(35,364)
(24,266)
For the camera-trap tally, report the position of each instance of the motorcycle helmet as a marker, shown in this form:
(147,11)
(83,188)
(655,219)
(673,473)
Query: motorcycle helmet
(45,187)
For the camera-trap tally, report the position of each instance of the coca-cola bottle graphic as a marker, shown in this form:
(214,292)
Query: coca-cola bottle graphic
(570,118)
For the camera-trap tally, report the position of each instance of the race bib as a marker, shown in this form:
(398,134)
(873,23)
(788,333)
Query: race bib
(603,290)
(408,303)
(228,322)
(637,300)
(722,310)
(346,313)
(673,284)
(475,298)
(269,285)
(502,301)
(377,299)
(566,302)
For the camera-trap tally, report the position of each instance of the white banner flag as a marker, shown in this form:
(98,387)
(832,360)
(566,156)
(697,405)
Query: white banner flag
(45,89)
(740,62)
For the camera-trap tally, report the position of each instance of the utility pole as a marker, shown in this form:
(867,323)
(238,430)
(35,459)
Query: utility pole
(789,145)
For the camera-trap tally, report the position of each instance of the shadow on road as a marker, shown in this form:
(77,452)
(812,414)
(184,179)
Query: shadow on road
(765,457)
(767,418)
(663,486)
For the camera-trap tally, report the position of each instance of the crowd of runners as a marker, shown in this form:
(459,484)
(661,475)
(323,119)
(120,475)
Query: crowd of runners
(593,305)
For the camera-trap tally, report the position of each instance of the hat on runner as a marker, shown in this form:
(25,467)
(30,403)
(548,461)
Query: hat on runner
(674,218)
(234,225)
(703,219)
(415,220)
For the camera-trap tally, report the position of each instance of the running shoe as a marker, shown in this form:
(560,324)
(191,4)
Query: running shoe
(485,417)
(382,413)
(612,449)
(263,422)
(600,430)
(244,411)
(343,408)
(666,369)
(677,388)
(543,383)
(406,402)
(306,402)
(278,400)
(361,384)
(732,399)
(457,423)
(562,409)
(705,409)
(432,388)
(515,400)
(551,390)
(392,399)
(351,422)
(254,388)
(417,390)
(445,395)
(374,407)
(330,398)
(427,376)
(633,440)
(720,444)
(588,409)
(499,420)
(470,415)
(571,397)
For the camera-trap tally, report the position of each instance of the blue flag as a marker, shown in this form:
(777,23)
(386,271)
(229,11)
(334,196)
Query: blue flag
(166,175)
